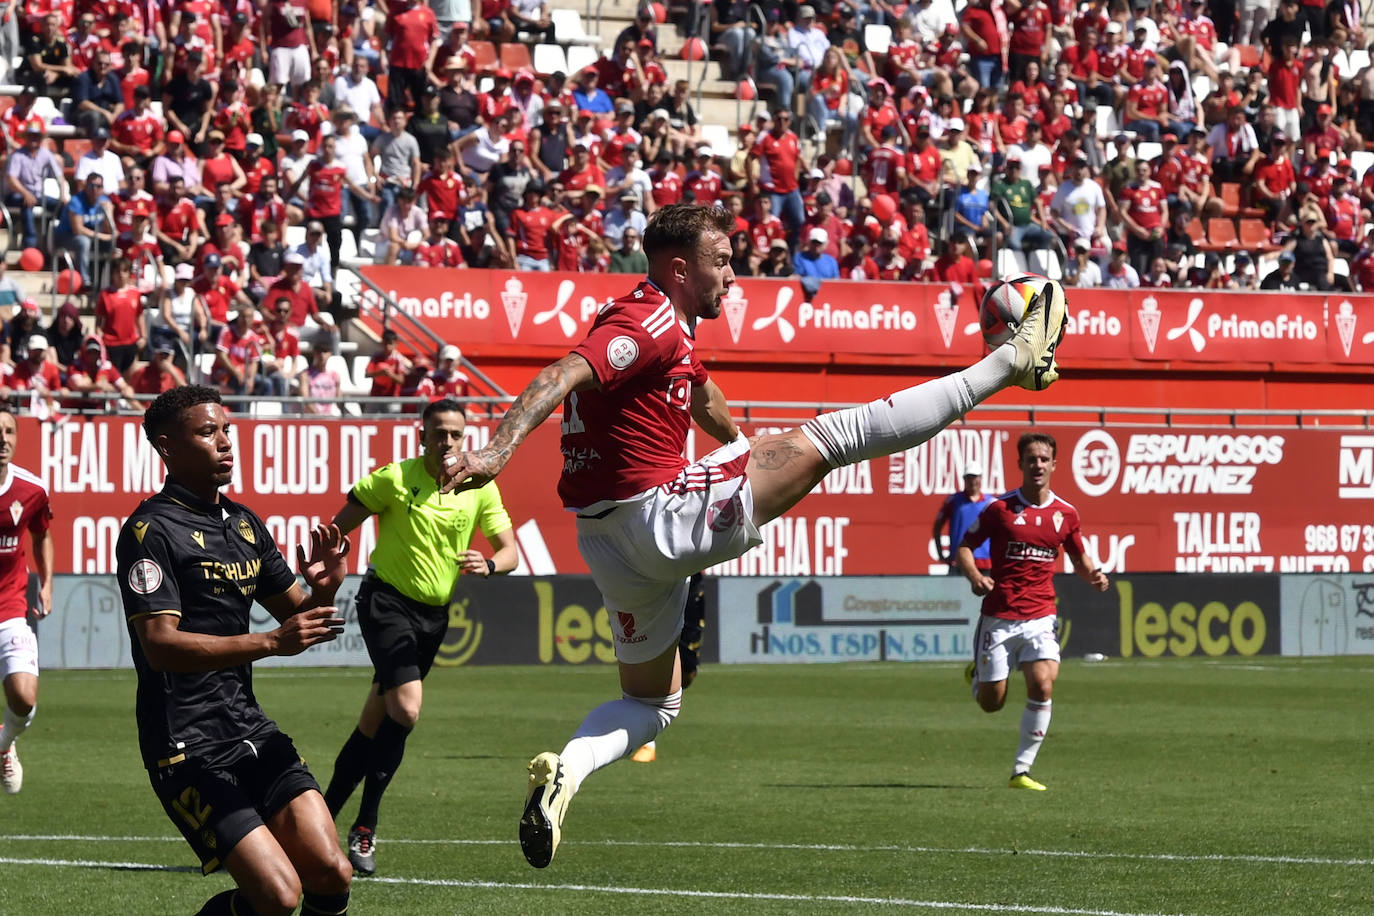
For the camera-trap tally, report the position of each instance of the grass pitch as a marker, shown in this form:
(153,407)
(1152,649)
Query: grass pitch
(1178,787)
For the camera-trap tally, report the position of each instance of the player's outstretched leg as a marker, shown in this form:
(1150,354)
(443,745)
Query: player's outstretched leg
(546,801)
(909,417)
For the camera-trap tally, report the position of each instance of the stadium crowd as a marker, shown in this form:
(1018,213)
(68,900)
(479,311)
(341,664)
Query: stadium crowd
(168,149)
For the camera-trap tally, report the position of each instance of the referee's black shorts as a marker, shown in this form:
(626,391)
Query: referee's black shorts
(402,635)
(218,800)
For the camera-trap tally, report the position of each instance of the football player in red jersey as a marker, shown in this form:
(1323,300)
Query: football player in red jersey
(28,505)
(647,518)
(1018,625)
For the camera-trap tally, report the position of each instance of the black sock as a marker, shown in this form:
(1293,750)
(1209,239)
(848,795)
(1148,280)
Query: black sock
(387,749)
(230,903)
(349,768)
(324,904)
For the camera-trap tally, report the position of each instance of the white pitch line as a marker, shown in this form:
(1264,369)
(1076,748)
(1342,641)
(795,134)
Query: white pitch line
(649,891)
(796,847)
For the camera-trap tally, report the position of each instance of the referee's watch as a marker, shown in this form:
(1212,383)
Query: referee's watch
(491,566)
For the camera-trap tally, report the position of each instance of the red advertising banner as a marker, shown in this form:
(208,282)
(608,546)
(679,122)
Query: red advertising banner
(897,319)
(1151,499)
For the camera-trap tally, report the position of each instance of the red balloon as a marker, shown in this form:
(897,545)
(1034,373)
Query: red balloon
(660,12)
(68,281)
(884,207)
(746,91)
(31,259)
(984,268)
(844,167)
(694,49)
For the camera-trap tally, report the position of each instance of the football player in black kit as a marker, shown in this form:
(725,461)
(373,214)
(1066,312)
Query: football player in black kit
(190,564)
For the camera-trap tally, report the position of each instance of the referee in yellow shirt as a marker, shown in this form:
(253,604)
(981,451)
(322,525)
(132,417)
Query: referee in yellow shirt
(423,542)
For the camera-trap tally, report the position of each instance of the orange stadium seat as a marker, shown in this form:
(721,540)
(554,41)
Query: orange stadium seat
(1230,199)
(486,54)
(1249,56)
(1195,231)
(516,56)
(1221,235)
(1255,236)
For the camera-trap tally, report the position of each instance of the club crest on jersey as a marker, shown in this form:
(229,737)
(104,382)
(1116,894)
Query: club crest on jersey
(1058,519)
(622,351)
(199,538)
(16,511)
(246,531)
(145,577)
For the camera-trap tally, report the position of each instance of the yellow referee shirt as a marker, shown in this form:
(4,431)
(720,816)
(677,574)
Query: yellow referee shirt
(421,533)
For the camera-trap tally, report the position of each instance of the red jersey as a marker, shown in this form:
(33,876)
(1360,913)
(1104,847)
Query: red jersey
(577,181)
(531,229)
(902,57)
(853,267)
(983,23)
(326,188)
(925,165)
(143,131)
(629,435)
(177,220)
(383,385)
(781,154)
(764,231)
(239,349)
(116,314)
(125,203)
(1150,99)
(1012,129)
(667,187)
(1081,61)
(705,186)
(309,118)
(149,379)
(443,193)
(235,120)
(883,169)
(1110,61)
(1053,129)
(259,211)
(1197,170)
(411,32)
(449,385)
(1024,549)
(1135,61)
(302,299)
(1343,217)
(443,253)
(256,171)
(1276,174)
(1168,172)
(27,500)
(1284,82)
(1142,203)
(44,377)
(914,244)
(1028,29)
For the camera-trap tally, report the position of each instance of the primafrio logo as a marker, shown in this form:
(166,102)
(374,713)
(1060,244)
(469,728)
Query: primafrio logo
(566,323)
(1096,462)
(785,329)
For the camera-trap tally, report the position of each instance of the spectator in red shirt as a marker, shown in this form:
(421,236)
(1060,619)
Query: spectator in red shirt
(1030,36)
(413,31)
(387,368)
(93,373)
(284,30)
(1285,86)
(159,375)
(1145,211)
(983,38)
(293,287)
(35,373)
(238,356)
(858,264)
(119,317)
(1343,216)
(781,150)
(1273,178)
(1147,104)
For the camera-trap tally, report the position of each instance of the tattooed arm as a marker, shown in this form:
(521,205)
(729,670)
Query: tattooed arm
(712,413)
(540,398)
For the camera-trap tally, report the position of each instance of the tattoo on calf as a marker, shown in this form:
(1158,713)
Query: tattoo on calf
(776,454)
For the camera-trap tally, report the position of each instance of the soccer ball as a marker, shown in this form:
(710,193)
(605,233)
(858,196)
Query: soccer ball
(1004,305)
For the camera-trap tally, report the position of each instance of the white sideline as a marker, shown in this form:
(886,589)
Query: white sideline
(647,891)
(802,847)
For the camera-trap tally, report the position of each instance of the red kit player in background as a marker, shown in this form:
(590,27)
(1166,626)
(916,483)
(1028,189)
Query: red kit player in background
(1026,527)
(23,507)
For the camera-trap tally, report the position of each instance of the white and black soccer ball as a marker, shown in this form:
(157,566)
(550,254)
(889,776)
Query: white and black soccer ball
(1004,305)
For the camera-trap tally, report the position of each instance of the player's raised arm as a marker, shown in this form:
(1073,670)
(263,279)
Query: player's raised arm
(541,396)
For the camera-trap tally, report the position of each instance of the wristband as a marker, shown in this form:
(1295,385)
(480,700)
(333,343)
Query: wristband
(491,567)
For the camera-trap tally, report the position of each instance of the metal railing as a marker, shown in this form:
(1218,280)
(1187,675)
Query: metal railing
(410,330)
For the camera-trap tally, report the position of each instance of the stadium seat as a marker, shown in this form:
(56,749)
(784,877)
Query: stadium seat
(267,408)
(718,137)
(1249,56)
(486,54)
(295,235)
(339,366)
(1148,151)
(878,38)
(1255,236)
(1107,125)
(580,56)
(1045,262)
(1202,87)
(1359,59)
(1340,267)
(1221,235)
(1361,161)
(1010,262)
(516,56)
(1195,232)
(549,59)
(568,30)
(1230,199)
(45,109)
(360,373)
(348,247)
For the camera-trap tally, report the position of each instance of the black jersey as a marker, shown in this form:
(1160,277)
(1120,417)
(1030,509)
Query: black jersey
(205,562)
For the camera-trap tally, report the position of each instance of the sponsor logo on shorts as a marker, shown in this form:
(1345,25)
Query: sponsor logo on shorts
(724,515)
(621,352)
(627,626)
(145,577)
(1018,550)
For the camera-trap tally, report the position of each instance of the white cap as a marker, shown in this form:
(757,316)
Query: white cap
(38,342)
(705,150)
(299,135)
(817,234)
(450,352)
(294,257)
(815,173)
(973,469)
(185,271)
(1082,244)
(256,139)
(955,124)
(1113,27)
(975,166)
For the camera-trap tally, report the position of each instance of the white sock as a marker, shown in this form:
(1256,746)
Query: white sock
(14,726)
(909,417)
(614,729)
(1035,722)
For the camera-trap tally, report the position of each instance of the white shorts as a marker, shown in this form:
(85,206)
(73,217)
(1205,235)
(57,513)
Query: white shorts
(1001,644)
(289,66)
(642,550)
(18,648)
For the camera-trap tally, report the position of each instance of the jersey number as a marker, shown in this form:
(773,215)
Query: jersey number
(679,393)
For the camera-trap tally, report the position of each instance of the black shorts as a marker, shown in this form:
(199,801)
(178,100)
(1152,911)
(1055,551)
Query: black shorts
(693,625)
(217,801)
(402,635)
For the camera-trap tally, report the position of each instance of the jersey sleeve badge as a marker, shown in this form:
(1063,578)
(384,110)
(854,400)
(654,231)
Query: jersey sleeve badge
(145,577)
